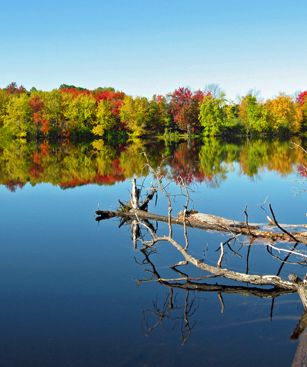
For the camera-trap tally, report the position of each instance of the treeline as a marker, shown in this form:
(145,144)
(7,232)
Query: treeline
(69,165)
(105,112)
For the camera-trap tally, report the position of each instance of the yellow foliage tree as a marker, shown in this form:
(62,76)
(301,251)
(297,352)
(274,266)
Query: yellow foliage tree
(284,114)
(18,116)
(105,119)
(135,115)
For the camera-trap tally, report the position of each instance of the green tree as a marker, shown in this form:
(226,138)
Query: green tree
(232,123)
(212,115)
(158,118)
(253,115)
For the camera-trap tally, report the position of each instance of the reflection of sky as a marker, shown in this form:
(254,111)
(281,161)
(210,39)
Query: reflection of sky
(239,190)
(146,47)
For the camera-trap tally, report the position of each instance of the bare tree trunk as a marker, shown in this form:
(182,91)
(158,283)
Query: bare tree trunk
(134,195)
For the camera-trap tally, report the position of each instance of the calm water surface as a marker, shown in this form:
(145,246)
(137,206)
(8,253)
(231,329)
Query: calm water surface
(72,291)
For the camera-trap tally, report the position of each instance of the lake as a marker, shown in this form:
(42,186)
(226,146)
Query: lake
(76,292)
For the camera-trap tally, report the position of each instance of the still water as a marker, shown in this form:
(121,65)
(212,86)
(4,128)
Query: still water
(74,292)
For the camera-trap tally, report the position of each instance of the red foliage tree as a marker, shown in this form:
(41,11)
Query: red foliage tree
(45,126)
(116,99)
(75,91)
(36,104)
(302,170)
(12,88)
(184,106)
(302,98)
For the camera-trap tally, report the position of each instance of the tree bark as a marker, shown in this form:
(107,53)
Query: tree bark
(263,232)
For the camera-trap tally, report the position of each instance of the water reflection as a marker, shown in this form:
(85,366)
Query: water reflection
(170,308)
(68,291)
(69,165)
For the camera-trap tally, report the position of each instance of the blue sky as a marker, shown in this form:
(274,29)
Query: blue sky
(145,47)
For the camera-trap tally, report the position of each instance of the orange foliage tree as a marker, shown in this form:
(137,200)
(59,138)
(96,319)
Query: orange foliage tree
(283,114)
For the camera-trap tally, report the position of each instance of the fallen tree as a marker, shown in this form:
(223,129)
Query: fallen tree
(137,215)
(211,222)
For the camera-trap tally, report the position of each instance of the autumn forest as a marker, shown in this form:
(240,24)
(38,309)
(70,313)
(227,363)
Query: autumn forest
(71,111)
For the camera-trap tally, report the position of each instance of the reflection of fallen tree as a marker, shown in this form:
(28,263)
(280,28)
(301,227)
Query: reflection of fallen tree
(188,284)
(139,217)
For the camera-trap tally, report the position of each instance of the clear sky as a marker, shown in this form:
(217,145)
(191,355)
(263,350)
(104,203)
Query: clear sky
(154,46)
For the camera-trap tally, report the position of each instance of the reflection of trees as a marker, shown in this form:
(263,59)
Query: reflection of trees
(279,156)
(254,156)
(283,156)
(68,165)
(132,159)
(184,163)
(104,157)
(15,163)
(212,157)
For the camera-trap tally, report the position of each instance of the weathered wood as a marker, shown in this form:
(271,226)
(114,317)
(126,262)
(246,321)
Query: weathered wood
(302,292)
(230,274)
(211,222)
(134,195)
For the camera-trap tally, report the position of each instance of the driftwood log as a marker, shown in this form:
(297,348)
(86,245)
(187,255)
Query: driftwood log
(263,232)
